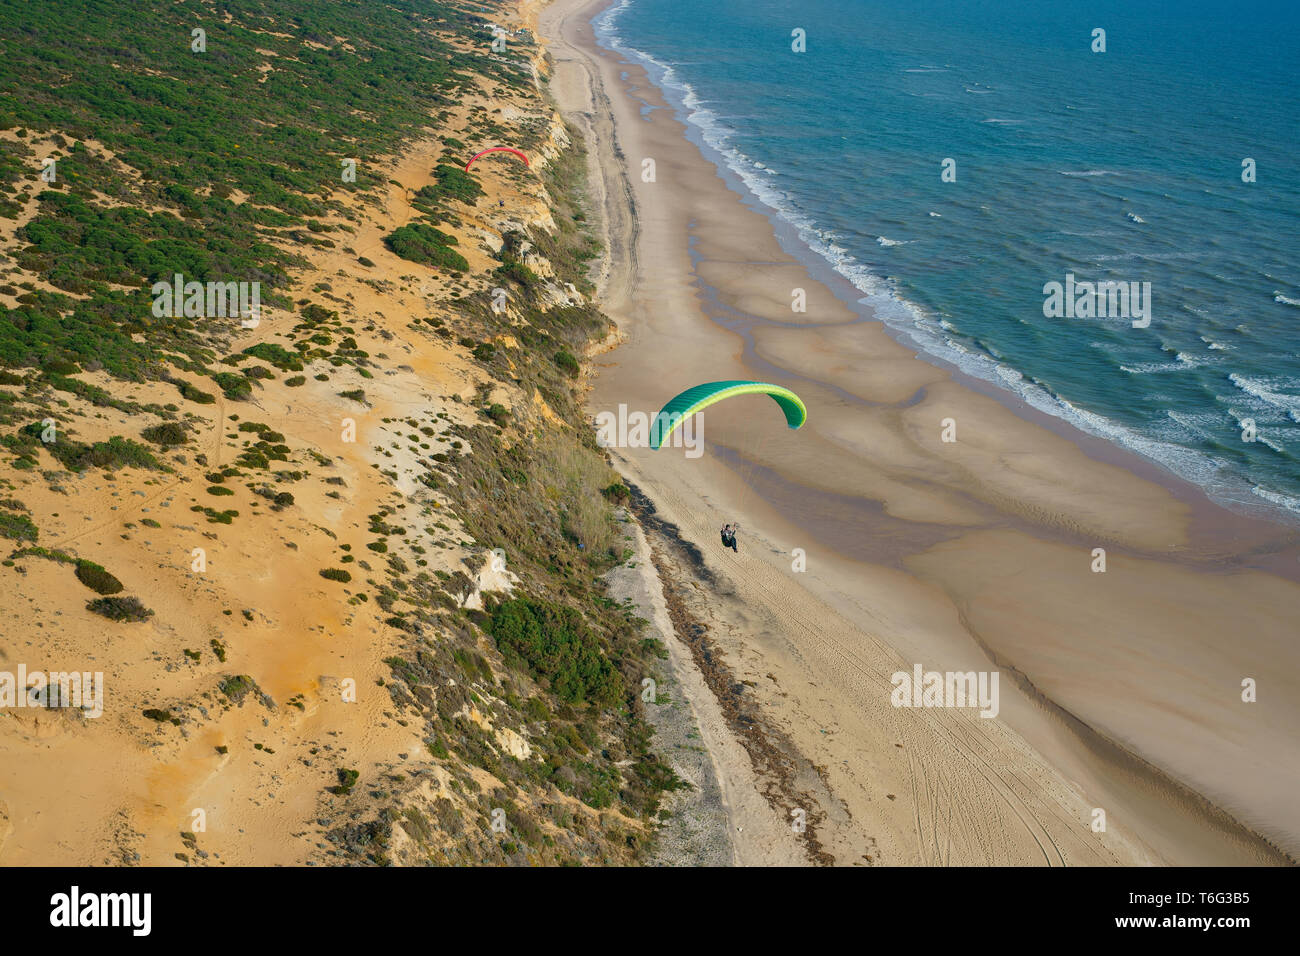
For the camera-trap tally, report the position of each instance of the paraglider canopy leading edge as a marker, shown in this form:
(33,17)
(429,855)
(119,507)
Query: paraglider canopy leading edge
(699,397)
(497,149)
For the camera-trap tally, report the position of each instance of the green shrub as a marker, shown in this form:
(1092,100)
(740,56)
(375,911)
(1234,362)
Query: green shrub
(424,244)
(276,355)
(60,367)
(237,687)
(336,574)
(74,456)
(119,451)
(568,363)
(235,386)
(450,182)
(516,271)
(165,433)
(17,527)
(264,432)
(97,579)
(617,493)
(99,397)
(196,395)
(120,608)
(557,646)
(347,780)
(438,749)
(457,183)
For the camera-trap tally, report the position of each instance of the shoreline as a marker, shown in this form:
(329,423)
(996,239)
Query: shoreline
(977,510)
(1255,510)
(1269,526)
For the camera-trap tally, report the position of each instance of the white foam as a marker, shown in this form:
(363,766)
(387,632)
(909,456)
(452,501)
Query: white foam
(1289,503)
(1264,434)
(1149,256)
(1147,368)
(1267,392)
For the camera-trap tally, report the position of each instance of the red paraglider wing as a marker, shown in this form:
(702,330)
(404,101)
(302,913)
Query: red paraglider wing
(496,149)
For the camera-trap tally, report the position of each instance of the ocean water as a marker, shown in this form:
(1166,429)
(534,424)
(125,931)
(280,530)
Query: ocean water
(1124,165)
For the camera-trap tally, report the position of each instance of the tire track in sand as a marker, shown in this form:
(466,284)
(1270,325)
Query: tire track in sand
(971,804)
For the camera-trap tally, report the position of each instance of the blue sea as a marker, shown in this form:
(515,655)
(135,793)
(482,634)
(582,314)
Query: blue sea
(1123,165)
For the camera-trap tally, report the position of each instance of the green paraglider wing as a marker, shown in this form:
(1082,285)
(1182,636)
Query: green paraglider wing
(699,397)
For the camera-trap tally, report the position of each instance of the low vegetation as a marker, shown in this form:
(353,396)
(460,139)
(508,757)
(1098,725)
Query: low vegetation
(97,579)
(559,649)
(428,246)
(539,688)
(120,609)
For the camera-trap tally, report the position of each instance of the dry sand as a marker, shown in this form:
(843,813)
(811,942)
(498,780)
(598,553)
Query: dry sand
(1120,691)
(123,788)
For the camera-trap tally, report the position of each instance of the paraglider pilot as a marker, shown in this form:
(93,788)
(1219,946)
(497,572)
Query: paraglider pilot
(729,537)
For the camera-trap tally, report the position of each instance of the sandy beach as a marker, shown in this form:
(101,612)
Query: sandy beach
(1121,691)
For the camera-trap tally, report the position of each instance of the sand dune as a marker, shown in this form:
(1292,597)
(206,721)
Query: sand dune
(244,772)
